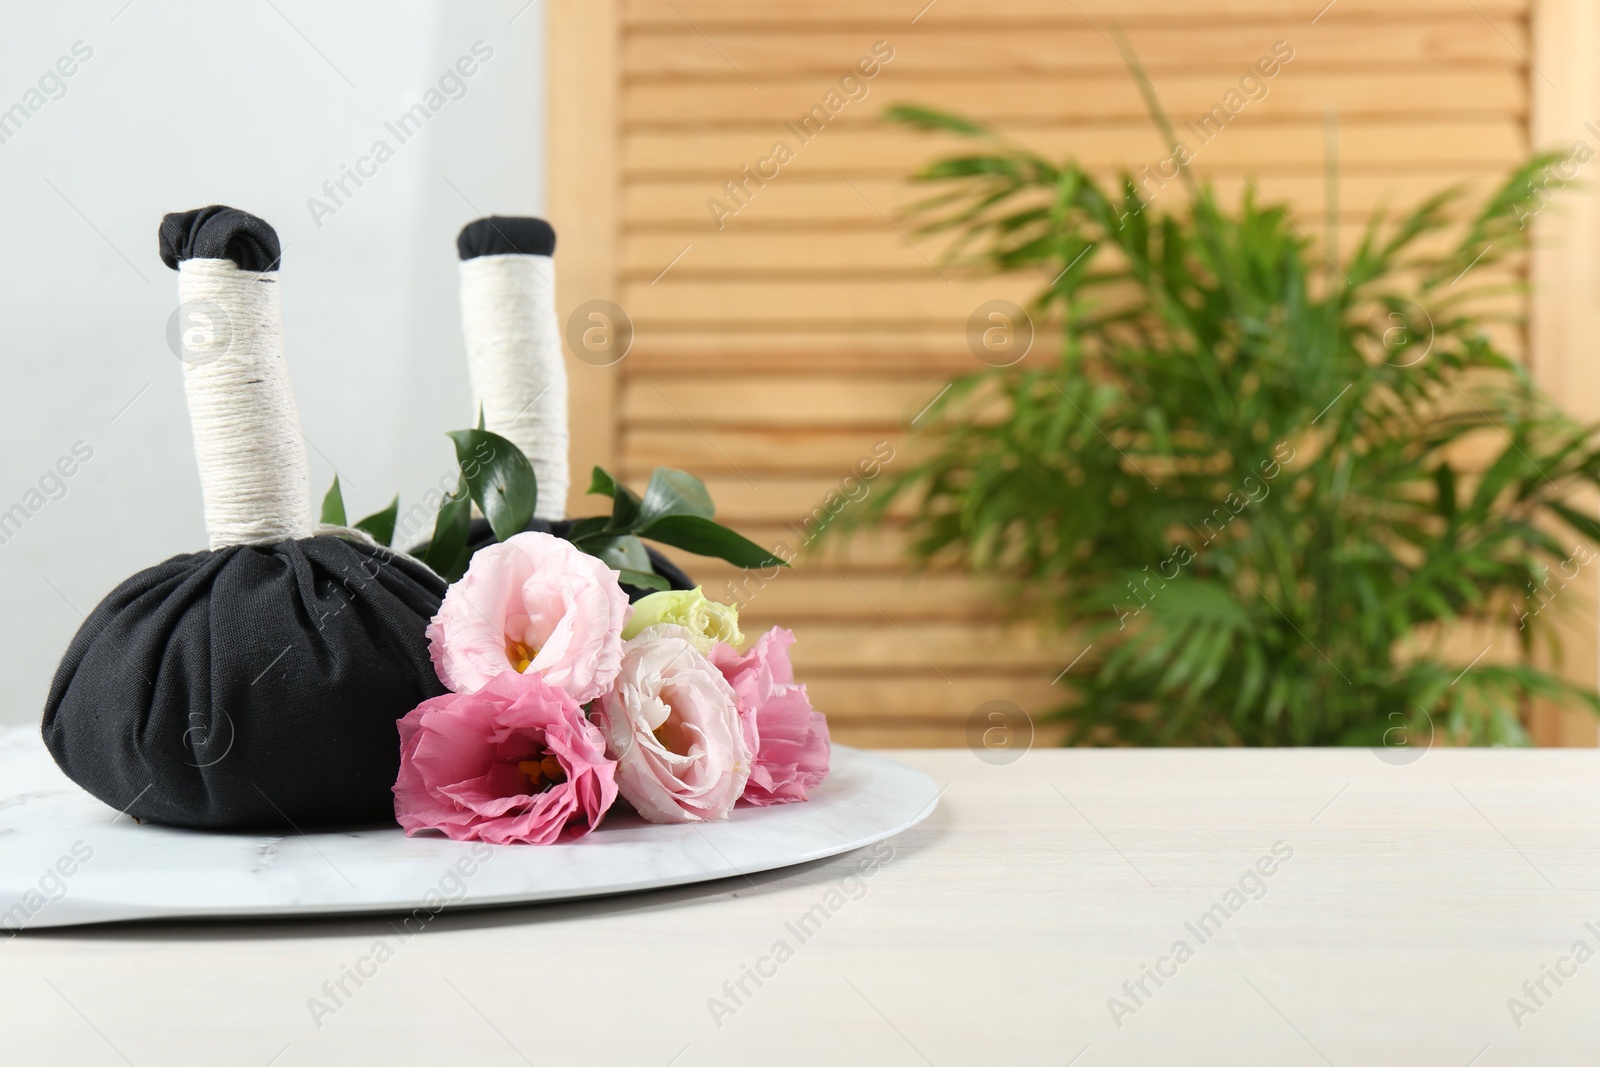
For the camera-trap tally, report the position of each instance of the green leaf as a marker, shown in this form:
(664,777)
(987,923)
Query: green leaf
(674,492)
(447,553)
(923,118)
(626,553)
(1444,480)
(620,553)
(601,483)
(499,478)
(586,529)
(699,535)
(644,579)
(624,503)
(380,524)
(333,505)
(1580,522)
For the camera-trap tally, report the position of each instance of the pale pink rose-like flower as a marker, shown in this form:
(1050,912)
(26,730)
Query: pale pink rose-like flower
(515,763)
(672,724)
(531,604)
(790,738)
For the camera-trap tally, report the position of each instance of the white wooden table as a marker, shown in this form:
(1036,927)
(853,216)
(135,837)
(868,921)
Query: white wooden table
(1416,902)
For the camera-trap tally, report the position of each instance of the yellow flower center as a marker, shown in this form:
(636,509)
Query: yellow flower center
(672,736)
(520,655)
(542,773)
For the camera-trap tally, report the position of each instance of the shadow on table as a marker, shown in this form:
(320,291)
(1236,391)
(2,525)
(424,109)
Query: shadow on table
(804,875)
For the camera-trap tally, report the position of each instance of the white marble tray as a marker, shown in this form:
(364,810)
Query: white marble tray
(66,859)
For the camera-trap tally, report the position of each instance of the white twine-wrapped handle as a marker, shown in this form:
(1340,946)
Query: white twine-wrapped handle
(247,442)
(519,376)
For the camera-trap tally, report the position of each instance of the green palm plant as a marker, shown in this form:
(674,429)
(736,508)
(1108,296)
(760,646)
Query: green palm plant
(1253,481)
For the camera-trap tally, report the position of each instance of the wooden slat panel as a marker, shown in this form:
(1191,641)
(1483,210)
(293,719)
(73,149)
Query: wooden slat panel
(585,203)
(803,402)
(807,596)
(803,302)
(668,51)
(810,450)
(764,451)
(862,149)
(875,252)
(947,649)
(876,349)
(927,697)
(706,14)
(807,301)
(1293,93)
(785,341)
(827,204)
(871,349)
(1565,314)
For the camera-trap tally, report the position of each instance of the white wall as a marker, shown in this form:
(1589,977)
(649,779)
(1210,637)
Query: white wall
(253,104)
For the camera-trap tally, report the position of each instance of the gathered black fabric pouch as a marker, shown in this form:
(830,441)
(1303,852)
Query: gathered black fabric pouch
(255,685)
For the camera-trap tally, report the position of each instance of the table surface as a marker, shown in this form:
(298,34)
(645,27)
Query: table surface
(1074,907)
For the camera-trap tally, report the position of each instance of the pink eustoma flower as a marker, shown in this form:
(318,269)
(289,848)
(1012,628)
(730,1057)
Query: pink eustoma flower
(790,738)
(673,727)
(533,604)
(515,763)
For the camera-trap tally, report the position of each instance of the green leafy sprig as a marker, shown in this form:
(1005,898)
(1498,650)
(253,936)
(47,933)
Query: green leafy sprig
(380,524)
(675,510)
